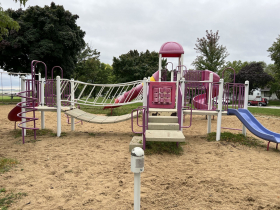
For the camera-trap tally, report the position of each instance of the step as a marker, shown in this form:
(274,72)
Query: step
(161,110)
(165,135)
(163,126)
(137,141)
(163,119)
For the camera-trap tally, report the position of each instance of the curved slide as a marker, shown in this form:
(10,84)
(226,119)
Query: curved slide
(201,101)
(12,116)
(253,125)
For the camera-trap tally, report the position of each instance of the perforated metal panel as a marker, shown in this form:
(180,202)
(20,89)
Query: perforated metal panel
(162,95)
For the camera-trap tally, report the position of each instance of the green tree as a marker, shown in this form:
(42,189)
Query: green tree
(274,52)
(135,66)
(7,22)
(49,34)
(95,72)
(255,74)
(236,65)
(21,2)
(82,66)
(89,69)
(274,85)
(271,69)
(274,69)
(212,55)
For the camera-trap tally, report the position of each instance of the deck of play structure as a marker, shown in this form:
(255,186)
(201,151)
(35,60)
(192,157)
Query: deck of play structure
(190,92)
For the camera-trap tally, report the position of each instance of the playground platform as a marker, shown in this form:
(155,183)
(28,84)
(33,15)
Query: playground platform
(187,112)
(93,118)
(51,109)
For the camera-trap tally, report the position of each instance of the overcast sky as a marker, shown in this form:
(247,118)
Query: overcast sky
(113,27)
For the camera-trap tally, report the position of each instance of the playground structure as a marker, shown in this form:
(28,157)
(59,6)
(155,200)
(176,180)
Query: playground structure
(8,92)
(190,92)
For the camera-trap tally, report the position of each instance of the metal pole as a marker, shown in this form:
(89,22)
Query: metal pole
(58,106)
(145,101)
(42,103)
(38,91)
(72,104)
(210,86)
(246,97)
(177,87)
(159,67)
(137,167)
(181,63)
(220,107)
(183,98)
(172,75)
(137,190)
(23,100)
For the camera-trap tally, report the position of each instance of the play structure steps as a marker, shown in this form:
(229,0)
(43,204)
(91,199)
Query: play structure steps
(163,126)
(165,135)
(160,128)
(163,119)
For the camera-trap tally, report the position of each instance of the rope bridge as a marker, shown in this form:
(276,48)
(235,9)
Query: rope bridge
(106,95)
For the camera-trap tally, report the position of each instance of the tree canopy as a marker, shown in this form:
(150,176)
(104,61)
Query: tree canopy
(135,66)
(255,74)
(7,22)
(274,69)
(274,52)
(89,69)
(274,85)
(236,65)
(21,2)
(49,34)
(212,55)
(83,58)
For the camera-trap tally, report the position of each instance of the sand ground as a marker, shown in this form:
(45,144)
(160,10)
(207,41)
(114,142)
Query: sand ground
(90,169)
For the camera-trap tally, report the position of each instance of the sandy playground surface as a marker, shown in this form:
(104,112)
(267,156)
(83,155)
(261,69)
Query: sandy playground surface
(90,169)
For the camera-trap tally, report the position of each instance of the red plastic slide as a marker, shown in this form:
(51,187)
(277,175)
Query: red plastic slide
(201,101)
(12,116)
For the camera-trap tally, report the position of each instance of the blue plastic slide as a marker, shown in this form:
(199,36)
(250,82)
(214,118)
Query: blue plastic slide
(253,125)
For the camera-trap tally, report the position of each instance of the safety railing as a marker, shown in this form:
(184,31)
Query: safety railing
(106,95)
(50,92)
(236,93)
(198,95)
(144,124)
(179,107)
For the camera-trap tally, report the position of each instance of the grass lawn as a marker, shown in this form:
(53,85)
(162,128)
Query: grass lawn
(126,109)
(265,111)
(274,103)
(235,138)
(8,100)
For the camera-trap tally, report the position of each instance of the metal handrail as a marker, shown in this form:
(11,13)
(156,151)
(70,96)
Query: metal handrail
(190,118)
(143,126)
(137,115)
